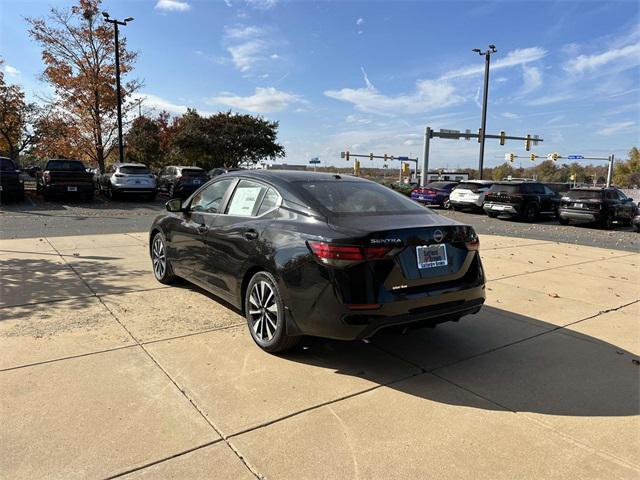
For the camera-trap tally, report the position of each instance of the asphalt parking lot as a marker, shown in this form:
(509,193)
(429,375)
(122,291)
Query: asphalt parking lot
(106,373)
(66,216)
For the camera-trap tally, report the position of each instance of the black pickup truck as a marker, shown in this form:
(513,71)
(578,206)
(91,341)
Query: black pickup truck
(11,185)
(65,177)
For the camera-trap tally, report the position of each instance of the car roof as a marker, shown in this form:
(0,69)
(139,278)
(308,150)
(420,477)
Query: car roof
(129,164)
(594,189)
(477,181)
(289,176)
(186,166)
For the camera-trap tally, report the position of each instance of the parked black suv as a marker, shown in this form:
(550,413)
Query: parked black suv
(602,205)
(11,185)
(180,181)
(523,199)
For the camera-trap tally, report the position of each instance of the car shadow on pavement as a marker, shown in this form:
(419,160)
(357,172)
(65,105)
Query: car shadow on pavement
(25,282)
(553,372)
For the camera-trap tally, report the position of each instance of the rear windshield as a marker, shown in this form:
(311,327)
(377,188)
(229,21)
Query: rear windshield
(66,165)
(193,172)
(500,187)
(440,185)
(133,170)
(345,197)
(584,194)
(6,164)
(472,186)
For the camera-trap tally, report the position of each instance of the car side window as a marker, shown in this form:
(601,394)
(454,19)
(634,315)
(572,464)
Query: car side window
(621,195)
(246,199)
(269,202)
(611,195)
(209,199)
(548,191)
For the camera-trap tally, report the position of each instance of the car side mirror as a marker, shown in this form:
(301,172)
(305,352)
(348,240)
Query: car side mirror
(174,205)
(629,199)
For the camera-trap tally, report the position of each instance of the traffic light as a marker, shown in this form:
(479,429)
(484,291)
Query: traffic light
(479,135)
(554,157)
(512,157)
(385,157)
(345,155)
(371,156)
(573,177)
(532,157)
(527,143)
(502,135)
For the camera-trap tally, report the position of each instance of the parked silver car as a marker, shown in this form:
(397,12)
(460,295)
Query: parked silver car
(128,178)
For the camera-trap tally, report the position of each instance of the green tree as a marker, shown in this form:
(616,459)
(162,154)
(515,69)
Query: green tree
(224,140)
(143,142)
(627,173)
(502,171)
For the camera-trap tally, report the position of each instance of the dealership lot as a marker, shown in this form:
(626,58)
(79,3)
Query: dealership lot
(105,372)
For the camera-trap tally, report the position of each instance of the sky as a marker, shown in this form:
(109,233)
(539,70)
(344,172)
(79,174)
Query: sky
(369,76)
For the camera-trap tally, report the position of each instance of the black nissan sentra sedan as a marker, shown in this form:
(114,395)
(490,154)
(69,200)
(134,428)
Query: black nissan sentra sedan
(304,253)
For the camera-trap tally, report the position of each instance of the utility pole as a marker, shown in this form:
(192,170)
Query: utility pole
(483,128)
(115,24)
(425,158)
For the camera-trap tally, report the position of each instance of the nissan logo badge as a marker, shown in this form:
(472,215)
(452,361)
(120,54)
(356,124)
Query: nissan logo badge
(438,236)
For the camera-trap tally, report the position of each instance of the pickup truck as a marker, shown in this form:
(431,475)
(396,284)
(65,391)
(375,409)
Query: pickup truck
(11,185)
(65,177)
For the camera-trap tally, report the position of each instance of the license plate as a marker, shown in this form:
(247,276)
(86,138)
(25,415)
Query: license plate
(497,207)
(431,256)
(72,189)
(578,205)
(421,198)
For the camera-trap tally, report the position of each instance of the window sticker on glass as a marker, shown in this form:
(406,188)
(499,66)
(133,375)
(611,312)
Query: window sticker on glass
(244,201)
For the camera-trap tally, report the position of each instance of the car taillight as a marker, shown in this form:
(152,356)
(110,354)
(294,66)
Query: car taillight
(473,241)
(342,255)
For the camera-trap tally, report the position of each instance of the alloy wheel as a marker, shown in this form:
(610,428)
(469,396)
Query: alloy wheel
(263,310)
(158,257)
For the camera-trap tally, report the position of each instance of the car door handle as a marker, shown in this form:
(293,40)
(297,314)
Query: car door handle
(202,229)
(250,234)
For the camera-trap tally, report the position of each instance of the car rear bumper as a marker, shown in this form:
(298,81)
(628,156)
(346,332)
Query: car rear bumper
(461,202)
(69,188)
(501,208)
(141,189)
(428,200)
(579,216)
(11,188)
(325,314)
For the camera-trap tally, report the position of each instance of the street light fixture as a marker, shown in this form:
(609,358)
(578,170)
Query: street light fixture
(116,24)
(487,58)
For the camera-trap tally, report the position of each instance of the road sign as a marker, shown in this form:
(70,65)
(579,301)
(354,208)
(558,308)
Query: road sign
(402,158)
(575,157)
(314,161)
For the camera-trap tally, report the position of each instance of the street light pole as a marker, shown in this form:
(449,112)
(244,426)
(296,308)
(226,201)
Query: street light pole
(487,61)
(115,24)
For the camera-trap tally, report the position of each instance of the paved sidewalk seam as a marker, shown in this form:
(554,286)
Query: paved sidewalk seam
(562,266)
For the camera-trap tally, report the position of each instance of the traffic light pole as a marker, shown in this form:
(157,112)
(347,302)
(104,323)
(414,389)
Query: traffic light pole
(483,129)
(425,158)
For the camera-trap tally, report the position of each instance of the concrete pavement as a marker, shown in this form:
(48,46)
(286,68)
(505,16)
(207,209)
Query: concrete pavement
(106,373)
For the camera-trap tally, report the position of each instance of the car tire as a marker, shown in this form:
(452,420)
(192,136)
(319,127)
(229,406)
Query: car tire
(492,214)
(151,197)
(46,194)
(531,212)
(607,221)
(446,205)
(563,221)
(160,262)
(265,314)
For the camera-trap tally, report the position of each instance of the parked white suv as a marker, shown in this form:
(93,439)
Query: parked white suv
(126,178)
(469,194)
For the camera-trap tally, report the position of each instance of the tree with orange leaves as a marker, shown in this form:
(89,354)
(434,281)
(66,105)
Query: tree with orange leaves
(79,56)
